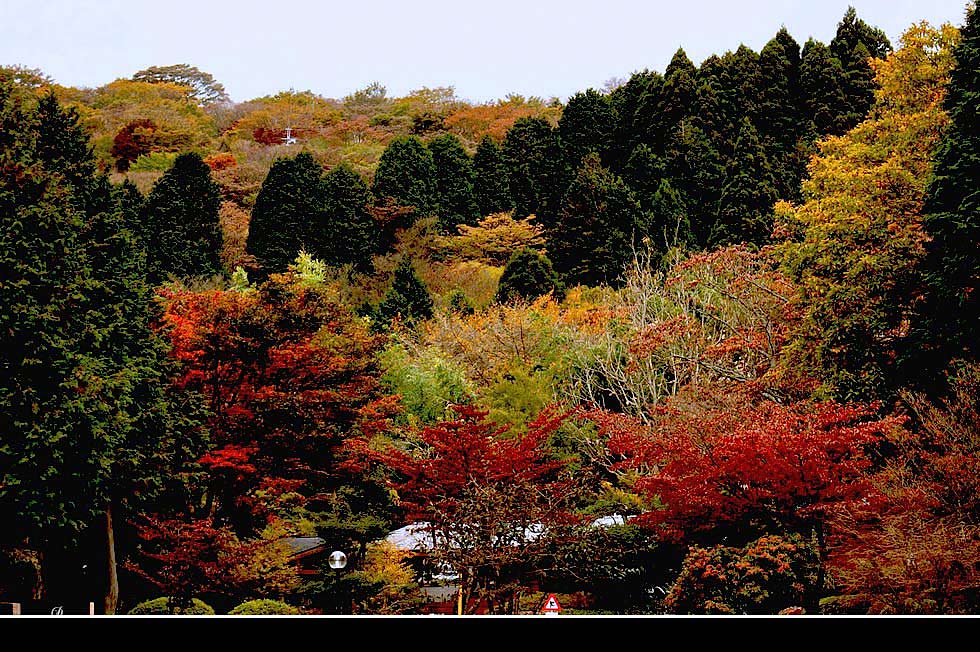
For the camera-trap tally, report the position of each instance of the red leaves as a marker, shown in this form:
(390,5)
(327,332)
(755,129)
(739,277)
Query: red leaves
(765,461)
(472,452)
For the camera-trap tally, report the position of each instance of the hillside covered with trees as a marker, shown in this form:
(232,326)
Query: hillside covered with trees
(702,341)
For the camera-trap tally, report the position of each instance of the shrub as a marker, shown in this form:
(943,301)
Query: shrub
(158,606)
(529,275)
(264,608)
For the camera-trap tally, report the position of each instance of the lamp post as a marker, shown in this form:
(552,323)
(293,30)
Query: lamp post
(337,560)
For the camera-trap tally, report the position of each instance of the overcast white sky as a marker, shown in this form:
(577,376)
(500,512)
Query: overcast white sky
(485,49)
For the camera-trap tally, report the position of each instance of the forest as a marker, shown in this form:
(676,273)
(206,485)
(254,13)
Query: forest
(702,341)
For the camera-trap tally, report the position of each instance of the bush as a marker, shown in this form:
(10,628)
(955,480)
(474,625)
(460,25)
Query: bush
(264,608)
(159,606)
(154,162)
(529,275)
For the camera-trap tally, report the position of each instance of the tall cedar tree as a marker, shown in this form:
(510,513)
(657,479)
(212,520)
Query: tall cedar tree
(853,45)
(538,172)
(407,299)
(821,82)
(529,275)
(677,98)
(697,172)
(586,125)
(454,200)
(947,325)
(407,175)
(289,214)
(597,228)
(183,229)
(626,102)
(780,113)
(83,393)
(347,233)
(491,179)
(745,208)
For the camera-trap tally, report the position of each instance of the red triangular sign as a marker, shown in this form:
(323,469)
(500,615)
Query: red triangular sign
(551,605)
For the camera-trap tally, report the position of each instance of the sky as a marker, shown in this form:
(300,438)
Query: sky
(548,48)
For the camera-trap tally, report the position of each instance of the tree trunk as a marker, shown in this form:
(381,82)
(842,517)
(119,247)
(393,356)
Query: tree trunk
(112,590)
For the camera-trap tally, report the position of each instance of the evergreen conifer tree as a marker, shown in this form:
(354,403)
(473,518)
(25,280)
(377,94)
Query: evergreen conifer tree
(745,208)
(406,175)
(407,299)
(780,113)
(347,234)
(288,214)
(947,325)
(587,124)
(455,201)
(529,275)
(183,230)
(491,179)
(598,224)
(538,173)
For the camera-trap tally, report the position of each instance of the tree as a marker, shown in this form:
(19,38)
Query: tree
(780,120)
(183,229)
(626,101)
(407,299)
(289,375)
(947,320)
(455,201)
(538,172)
(855,243)
(91,429)
(745,207)
(586,125)
(135,139)
(597,228)
(493,239)
(206,90)
(730,470)
(854,45)
(821,80)
(407,175)
(289,214)
(528,275)
(491,503)
(349,234)
(491,180)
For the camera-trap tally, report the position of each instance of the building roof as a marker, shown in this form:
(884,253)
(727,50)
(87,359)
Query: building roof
(301,545)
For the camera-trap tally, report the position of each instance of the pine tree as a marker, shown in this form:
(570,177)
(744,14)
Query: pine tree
(745,208)
(347,234)
(780,113)
(407,299)
(184,233)
(289,214)
(947,325)
(821,79)
(455,201)
(597,227)
(529,275)
(538,172)
(491,179)
(586,125)
(406,175)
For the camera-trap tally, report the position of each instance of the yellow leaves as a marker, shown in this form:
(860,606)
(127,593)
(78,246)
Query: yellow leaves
(494,239)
